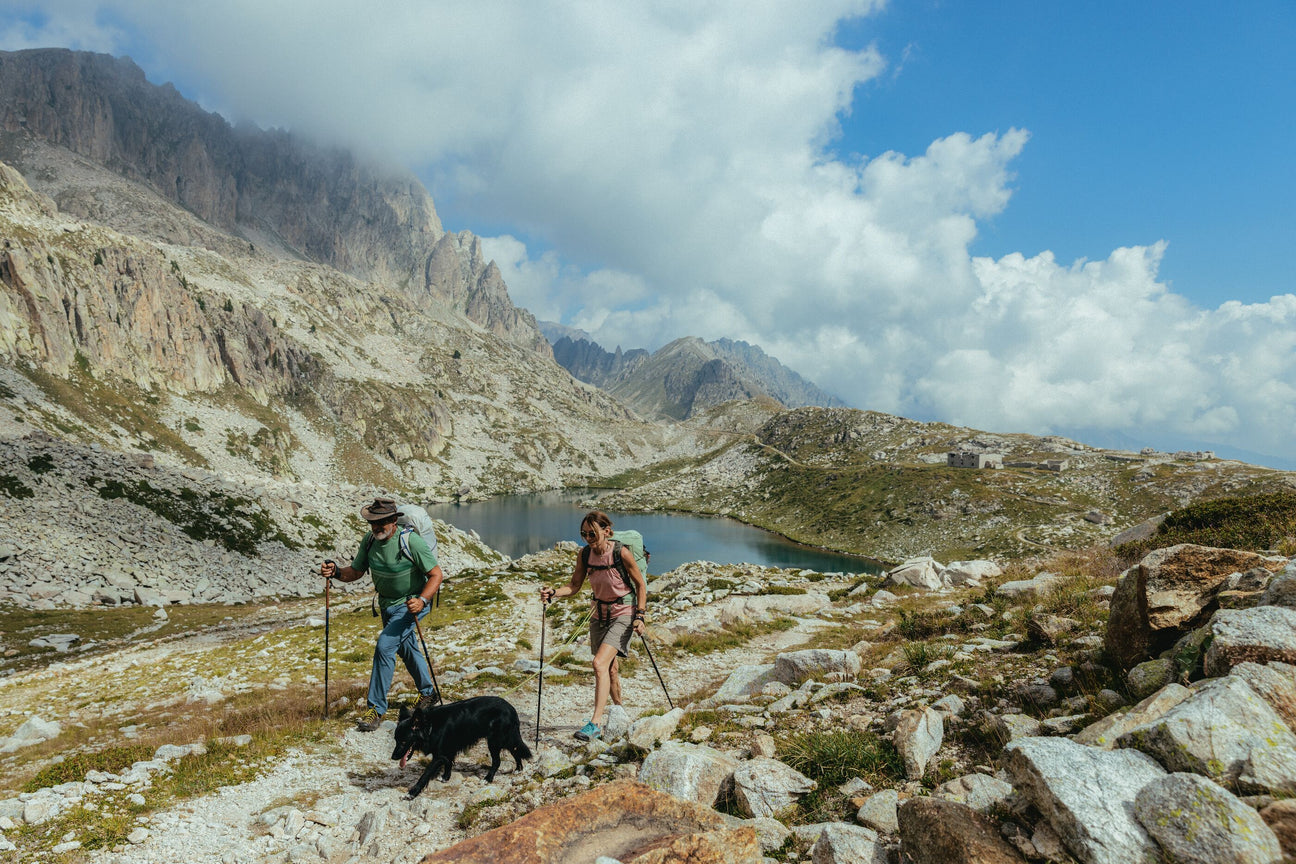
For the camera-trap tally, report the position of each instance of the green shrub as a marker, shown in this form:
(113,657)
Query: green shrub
(15,488)
(1251,522)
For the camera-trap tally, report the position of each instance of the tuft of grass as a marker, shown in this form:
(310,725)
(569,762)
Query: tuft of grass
(832,757)
(111,760)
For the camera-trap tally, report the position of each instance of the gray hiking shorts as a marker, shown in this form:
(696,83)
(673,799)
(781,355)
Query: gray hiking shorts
(615,632)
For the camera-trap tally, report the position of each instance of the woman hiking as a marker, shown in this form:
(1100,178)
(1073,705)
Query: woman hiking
(619,604)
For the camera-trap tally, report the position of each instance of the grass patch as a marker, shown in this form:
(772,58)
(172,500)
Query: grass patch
(15,488)
(732,636)
(832,757)
(111,760)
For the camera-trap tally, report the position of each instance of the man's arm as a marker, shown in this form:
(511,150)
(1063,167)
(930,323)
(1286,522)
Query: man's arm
(419,603)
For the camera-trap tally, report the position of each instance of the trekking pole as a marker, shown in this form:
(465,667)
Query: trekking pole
(643,639)
(540,688)
(327,583)
(436,688)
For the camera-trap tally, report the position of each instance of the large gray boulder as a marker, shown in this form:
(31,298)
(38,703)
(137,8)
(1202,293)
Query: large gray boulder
(981,792)
(1260,635)
(938,831)
(645,732)
(1197,822)
(693,772)
(1275,683)
(1224,731)
(1105,732)
(959,573)
(1167,594)
(767,787)
(918,737)
(1087,795)
(1281,591)
(766,607)
(842,843)
(795,667)
(743,683)
(923,572)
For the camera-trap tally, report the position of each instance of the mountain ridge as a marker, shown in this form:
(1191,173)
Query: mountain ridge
(687,376)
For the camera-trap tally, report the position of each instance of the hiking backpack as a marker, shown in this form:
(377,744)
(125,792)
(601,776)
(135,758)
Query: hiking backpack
(410,519)
(633,541)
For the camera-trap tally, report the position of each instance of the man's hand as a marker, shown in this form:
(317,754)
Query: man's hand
(547,594)
(415,604)
(328,569)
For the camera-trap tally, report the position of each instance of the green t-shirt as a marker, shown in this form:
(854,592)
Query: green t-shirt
(394,577)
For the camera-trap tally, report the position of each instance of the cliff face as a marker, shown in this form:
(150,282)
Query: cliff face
(320,205)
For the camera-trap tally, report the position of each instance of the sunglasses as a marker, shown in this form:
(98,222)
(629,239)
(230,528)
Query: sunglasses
(590,535)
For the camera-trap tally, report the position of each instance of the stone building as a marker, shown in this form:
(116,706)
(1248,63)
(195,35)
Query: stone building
(964,459)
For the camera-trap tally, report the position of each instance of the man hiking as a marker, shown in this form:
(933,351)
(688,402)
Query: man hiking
(405,585)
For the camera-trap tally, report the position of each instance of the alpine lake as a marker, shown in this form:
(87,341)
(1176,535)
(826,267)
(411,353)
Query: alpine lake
(518,525)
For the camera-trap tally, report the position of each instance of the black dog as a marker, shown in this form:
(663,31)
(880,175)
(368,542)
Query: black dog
(445,731)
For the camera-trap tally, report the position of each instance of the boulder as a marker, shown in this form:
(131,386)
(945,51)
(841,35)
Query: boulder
(1170,592)
(1087,795)
(1038,586)
(624,820)
(742,683)
(1150,676)
(917,737)
(1281,590)
(923,572)
(959,573)
(1260,635)
(767,787)
(645,732)
(1049,629)
(1224,731)
(1275,683)
(939,831)
(794,667)
(1197,822)
(1106,731)
(766,607)
(693,772)
(981,792)
(616,722)
(840,843)
(879,811)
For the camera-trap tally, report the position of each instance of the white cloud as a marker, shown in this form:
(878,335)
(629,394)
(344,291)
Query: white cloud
(672,162)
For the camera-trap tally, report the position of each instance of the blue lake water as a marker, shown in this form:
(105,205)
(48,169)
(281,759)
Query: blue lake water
(520,524)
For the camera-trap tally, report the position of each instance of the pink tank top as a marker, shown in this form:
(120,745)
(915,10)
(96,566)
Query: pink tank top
(607,583)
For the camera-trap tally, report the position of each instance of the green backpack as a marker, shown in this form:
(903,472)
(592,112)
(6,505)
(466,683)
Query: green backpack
(633,541)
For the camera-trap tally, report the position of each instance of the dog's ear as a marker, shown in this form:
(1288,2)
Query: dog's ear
(404,712)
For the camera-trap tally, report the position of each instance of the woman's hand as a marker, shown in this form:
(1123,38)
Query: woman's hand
(639,626)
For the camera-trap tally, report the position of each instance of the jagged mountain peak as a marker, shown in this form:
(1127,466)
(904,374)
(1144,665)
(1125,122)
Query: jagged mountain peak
(687,375)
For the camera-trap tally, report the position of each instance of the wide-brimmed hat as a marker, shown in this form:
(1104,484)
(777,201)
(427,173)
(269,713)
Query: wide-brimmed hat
(381,509)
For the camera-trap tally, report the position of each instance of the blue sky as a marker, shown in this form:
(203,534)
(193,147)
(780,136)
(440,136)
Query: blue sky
(1021,216)
(1148,121)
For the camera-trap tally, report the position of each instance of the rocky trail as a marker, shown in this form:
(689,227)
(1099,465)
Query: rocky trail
(938,713)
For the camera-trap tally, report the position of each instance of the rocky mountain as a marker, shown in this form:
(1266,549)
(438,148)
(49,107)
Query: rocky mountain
(271,188)
(687,376)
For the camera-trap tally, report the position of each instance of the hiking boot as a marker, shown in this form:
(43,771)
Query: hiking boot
(588,732)
(426,700)
(369,720)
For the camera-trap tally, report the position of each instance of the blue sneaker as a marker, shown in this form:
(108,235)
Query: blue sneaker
(588,732)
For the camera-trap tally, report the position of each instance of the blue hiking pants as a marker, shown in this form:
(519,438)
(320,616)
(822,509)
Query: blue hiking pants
(398,636)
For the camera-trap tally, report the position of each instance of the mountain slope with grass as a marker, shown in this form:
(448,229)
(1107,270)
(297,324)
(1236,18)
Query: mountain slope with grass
(878,485)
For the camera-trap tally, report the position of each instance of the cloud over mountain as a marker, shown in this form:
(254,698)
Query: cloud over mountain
(658,171)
